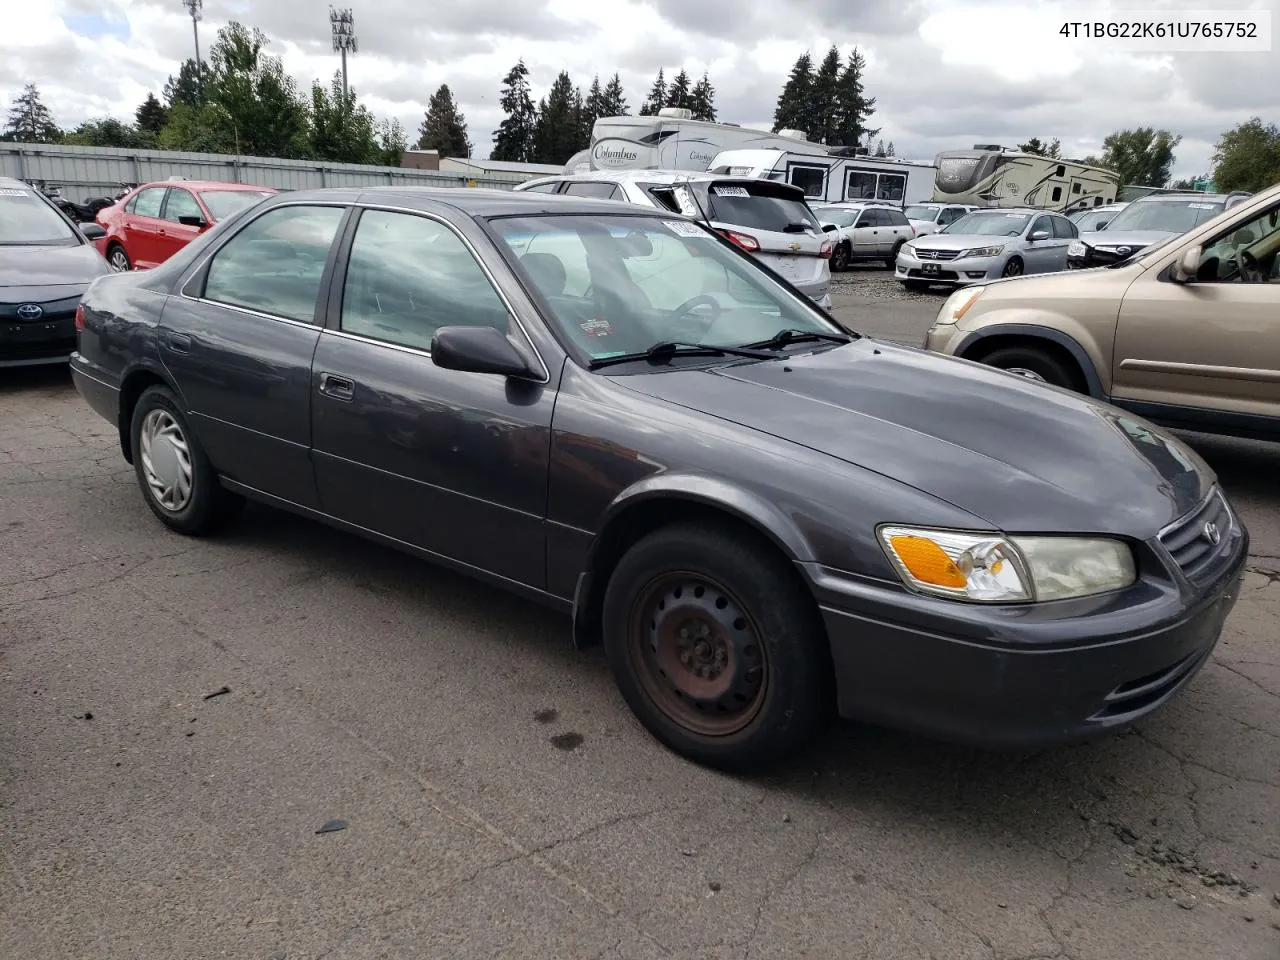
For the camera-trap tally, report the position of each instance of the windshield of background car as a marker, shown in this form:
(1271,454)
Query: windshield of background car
(841,218)
(620,284)
(26,219)
(1172,216)
(989,224)
(922,213)
(223,203)
(759,212)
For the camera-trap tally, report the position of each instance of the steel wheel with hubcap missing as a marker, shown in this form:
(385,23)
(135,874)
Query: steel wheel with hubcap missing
(166,461)
(698,654)
(1013,268)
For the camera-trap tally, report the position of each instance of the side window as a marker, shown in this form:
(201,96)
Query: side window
(1041,223)
(866,218)
(1222,259)
(275,264)
(812,180)
(861,186)
(181,204)
(896,218)
(949,216)
(408,276)
(543,187)
(593,188)
(1064,229)
(149,202)
(892,187)
(1057,194)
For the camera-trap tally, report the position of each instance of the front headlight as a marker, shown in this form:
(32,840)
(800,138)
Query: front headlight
(994,568)
(1075,249)
(957,305)
(994,251)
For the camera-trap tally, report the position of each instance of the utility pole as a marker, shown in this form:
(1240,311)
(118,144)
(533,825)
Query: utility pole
(344,38)
(193,8)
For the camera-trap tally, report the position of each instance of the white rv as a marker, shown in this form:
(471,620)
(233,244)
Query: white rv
(991,176)
(833,178)
(673,140)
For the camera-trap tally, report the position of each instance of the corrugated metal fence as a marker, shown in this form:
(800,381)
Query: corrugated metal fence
(100,171)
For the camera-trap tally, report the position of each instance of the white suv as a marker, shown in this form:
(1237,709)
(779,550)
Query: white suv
(769,220)
(864,231)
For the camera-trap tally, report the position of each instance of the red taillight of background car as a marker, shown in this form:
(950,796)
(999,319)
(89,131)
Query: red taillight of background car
(79,316)
(741,240)
(825,252)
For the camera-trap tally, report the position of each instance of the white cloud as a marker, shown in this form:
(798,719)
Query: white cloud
(946,73)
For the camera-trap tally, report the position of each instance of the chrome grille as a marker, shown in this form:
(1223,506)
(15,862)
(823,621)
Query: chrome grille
(936,254)
(1191,540)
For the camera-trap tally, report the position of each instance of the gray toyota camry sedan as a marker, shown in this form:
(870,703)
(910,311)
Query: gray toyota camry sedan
(764,517)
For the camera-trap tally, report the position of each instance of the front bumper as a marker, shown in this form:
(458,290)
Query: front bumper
(48,339)
(1020,677)
(953,272)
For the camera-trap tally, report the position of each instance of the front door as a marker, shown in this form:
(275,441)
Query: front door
(450,462)
(1039,255)
(174,234)
(239,342)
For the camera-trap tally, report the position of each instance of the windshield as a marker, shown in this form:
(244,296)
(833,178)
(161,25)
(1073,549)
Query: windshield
(917,212)
(1170,216)
(989,224)
(620,284)
(841,218)
(223,203)
(760,212)
(26,219)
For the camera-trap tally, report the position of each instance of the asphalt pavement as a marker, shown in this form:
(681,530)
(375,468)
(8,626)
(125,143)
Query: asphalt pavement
(289,743)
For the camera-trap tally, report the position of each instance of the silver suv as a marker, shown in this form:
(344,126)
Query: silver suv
(769,220)
(870,231)
(1148,220)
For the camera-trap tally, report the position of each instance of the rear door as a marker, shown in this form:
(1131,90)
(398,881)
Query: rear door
(142,225)
(174,234)
(898,227)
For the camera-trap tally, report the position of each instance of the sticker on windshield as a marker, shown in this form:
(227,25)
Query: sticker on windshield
(597,328)
(1016,216)
(1203,206)
(730,191)
(14,193)
(682,228)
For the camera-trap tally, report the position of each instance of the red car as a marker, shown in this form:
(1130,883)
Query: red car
(156,220)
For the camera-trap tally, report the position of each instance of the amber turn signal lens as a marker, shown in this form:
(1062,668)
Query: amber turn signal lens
(927,562)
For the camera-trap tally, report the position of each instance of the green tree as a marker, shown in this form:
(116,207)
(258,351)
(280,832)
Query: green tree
(825,100)
(109,132)
(657,96)
(341,130)
(703,100)
(30,120)
(1041,149)
(444,128)
(854,106)
(889,150)
(206,128)
(593,107)
(514,138)
(794,109)
(679,92)
(556,134)
(185,87)
(268,114)
(880,151)
(613,102)
(1143,157)
(1247,157)
(392,143)
(151,115)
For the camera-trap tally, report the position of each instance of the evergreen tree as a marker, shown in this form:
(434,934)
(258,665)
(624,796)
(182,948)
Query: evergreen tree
(889,150)
(444,128)
(613,102)
(593,108)
(855,107)
(679,92)
(1041,149)
(185,87)
(151,115)
(657,97)
(514,138)
(30,120)
(703,100)
(825,99)
(794,110)
(556,133)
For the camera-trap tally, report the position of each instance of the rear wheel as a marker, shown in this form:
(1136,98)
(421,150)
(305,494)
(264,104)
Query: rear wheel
(716,647)
(118,259)
(892,261)
(1037,364)
(840,256)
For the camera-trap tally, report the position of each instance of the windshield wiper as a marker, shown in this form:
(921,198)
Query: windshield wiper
(664,350)
(797,226)
(793,335)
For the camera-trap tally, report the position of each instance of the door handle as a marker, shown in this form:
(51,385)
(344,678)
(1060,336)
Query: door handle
(163,234)
(340,388)
(178,342)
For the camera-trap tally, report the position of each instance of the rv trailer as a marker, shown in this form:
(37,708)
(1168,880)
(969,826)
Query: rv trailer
(991,176)
(832,178)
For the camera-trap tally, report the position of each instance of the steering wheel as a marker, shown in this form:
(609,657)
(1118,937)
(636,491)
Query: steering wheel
(685,311)
(1250,269)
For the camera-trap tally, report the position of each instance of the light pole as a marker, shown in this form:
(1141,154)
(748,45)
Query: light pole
(344,38)
(193,8)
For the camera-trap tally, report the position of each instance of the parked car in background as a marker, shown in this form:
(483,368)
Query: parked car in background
(1148,220)
(1095,219)
(1185,333)
(764,518)
(929,218)
(769,220)
(46,264)
(863,232)
(151,223)
(985,245)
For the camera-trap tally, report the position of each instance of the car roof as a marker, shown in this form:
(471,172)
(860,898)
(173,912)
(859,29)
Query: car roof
(472,202)
(208,185)
(1190,196)
(1027,210)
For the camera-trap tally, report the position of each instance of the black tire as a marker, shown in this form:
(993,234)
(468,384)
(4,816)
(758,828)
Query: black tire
(1041,363)
(208,506)
(892,262)
(915,286)
(776,642)
(841,256)
(1014,268)
(118,257)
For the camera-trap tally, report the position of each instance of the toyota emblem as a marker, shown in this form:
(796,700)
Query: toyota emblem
(30,311)
(1212,534)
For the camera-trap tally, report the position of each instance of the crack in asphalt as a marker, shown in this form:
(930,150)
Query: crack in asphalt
(808,860)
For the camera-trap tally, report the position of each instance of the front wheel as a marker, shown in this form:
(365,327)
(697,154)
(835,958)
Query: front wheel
(1014,268)
(892,261)
(716,647)
(1034,364)
(840,257)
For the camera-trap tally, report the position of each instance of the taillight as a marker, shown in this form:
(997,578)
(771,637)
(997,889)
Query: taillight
(741,240)
(825,252)
(79,316)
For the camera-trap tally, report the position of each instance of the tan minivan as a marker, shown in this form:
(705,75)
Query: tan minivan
(1185,333)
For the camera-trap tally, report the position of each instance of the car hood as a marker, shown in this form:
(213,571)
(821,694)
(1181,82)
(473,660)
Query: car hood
(1126,238)
(1022,456)
(23,266)
(962,241)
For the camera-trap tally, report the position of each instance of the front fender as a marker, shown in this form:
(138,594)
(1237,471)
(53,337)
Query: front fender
(1090,361)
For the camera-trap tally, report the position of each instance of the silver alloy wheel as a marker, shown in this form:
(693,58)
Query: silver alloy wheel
(119,260)
(166,461)
(1024,372)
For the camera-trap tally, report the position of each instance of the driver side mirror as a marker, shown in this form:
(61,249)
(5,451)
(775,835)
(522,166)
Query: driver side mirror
(192,221)
(1187,265)
(478,350)
(1039,235)
(92,231)
(829,228)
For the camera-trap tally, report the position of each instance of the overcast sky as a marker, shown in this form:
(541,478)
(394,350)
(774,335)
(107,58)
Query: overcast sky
(946,73)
